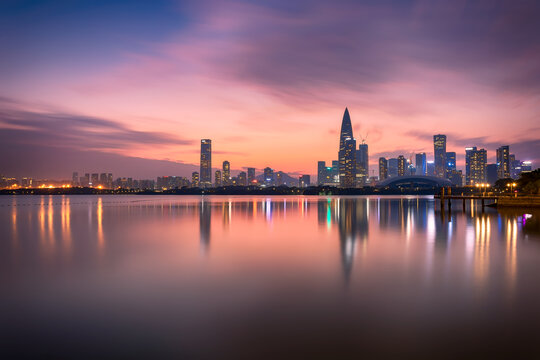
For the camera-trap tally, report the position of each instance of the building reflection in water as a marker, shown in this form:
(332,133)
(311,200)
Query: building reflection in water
(205,218)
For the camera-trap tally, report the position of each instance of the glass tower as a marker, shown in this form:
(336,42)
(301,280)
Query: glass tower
(206,163)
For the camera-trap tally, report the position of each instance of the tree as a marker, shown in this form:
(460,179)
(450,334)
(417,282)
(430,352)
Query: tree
(529,182)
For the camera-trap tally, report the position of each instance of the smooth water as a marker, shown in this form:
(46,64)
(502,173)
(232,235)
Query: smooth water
(266,277)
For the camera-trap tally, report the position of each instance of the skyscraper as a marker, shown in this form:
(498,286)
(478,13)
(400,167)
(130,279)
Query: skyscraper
(476,162)
(217,178)
(362,164)
(206,163)
(242,178)
(401,164)
(450,163)
(439,151)
(383,168)
(226,173)
(321,172)
(195,179)
(304,181)
(421,165)
(503,162)
(392,167)
(491,173)
(468,155)
(346,154)
(75,179)
(250,176)
(268,176)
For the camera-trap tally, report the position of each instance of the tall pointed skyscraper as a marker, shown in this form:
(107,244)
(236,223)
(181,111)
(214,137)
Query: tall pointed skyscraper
(347,152)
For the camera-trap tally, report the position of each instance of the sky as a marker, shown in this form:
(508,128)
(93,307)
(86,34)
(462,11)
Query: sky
(131,87)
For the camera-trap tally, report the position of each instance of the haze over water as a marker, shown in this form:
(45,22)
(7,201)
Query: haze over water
(266,277)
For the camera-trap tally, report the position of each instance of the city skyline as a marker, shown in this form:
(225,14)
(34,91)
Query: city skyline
(134,92)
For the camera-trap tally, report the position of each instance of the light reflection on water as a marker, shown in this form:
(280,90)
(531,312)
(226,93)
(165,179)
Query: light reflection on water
(148,270)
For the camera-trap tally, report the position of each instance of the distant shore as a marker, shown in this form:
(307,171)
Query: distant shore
(231,190)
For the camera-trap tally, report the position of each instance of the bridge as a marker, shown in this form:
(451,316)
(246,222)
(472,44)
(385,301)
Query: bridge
(412,181)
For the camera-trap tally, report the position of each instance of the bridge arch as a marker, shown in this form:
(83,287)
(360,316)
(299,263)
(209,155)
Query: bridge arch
(414,181)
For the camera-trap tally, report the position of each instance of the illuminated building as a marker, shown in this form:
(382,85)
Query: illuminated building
(226,173)
(347,153)
(304,181)
(526,166)
(242,178)
(439,151)
(94,180)
(217,178)
(75,179)
(401,165)
(503,162)
(268,176)
(475,165)
(450,163)
(383,168)
(321,172)
(392,167)
(110,181)
(195,179)
(251,176)
(455,177)
(362,164)
(103,180)
(85,180)
(206,163)
(279,178)
(421,165)
(430,168)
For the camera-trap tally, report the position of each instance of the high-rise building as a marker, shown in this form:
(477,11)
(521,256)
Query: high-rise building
(392,167)
(226,173)
(439,151)
(279,178)
(109,181)
(304,181)
(450,163)
(94,180)
(85,180)
(362,164)
(268,176)
(401,164)
(321,172)
(421,165)
(383,168)
(526,166)
(242,178)
(103,180)
(195,179)
(347,154)
(476,162)
(251,176)
(75,179)
(468,154)
(217,178)
(491,173)
(503,162)
(335,171)
(206,163)
(430,168)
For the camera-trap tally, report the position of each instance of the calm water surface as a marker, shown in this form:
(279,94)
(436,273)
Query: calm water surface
(266,277)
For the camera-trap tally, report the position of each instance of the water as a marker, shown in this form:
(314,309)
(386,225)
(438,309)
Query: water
(266,277)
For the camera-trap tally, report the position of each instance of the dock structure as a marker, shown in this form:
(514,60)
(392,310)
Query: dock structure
(501,200)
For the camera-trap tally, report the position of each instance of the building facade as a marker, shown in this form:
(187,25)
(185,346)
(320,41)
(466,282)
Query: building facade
(347,153)
(383,169)
(206,163)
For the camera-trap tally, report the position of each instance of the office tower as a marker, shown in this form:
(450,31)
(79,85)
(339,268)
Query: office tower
(109,180)
(242,178)
(362,164)
(321,172)
(410,170)
(515,167)
(75,179)
(304,181)
(94,180)
(439,151)
(476,162)
(226,173)
(401,165)
(251,176)
(217,178)
(491,173)
(421,165)
(468,154)
(383,168)
(268,176)
(195,179)
(103,180)
(526,166)
(392,167)
(455,177)
(346,154)
(206,163)
(335,171)
(450,163)
(503,162)
(85,180)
